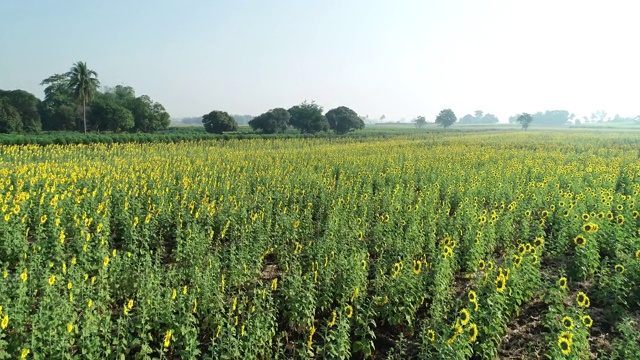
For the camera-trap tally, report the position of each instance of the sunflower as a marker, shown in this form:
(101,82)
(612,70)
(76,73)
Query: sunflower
(580,240)
(522,249)
(333,319)
(481,263)
(517,260)
(565,213)
(620,219)
(52,280)
(417,266)
(473,329)
(619,268)
(565,345)
(567,335)
(349,311)
(447,252)
(638,254)
(567,322)
(464,316)
(431,335)
(396,269)
(527,213)
(620,207)
(587,320)
(609,215)
(473,297)
(538,242)
(583,300)
(544,213)
(585,216)
(167,338)
(600,215)
(562,282)
(501,283)
(590,228)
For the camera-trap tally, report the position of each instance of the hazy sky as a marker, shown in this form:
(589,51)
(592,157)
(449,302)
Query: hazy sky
(399,58)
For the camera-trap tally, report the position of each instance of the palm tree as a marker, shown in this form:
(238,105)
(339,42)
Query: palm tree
(84,84)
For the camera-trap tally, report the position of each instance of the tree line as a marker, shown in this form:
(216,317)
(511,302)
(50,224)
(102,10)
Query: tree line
(74,101)
(306,117)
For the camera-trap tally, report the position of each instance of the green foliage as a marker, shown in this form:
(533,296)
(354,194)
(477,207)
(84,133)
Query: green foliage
(420,121)
(59,110)
(479,118)
(218,122)
(271,122)
(307,117)
(342,119)
(27,106)
(9,118)
(446,118)
(109,116)
(525,120)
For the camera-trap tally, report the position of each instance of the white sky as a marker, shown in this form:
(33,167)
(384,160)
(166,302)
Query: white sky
(401,58)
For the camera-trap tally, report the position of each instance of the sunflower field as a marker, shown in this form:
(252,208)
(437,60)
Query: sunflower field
(428,246)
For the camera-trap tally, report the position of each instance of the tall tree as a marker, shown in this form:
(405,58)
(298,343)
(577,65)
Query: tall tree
(218,122)
(84,85)
(342,119)
(9,118)
(27,106)
(420,121)
(446,118)
(308,118)
(524,119)
(58,110)
(271,122)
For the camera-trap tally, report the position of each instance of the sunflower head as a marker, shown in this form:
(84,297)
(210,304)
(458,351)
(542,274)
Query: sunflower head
(522,248)
(417,266)
(635,214)
(564,345)
(619,268)
(585,216)
(567,322)
(501,283)
(538,242)
(580,240)
(473,297)
(583,300)
(431,335)
(473,332)
(481,263)
(562,282)
(620,219)
(464,316)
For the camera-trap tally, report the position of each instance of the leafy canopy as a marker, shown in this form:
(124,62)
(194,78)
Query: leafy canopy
(271,122)
(307,117)
(446,118)
(342,119)
(218,122)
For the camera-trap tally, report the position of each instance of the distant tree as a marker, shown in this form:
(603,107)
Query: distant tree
(577,122)
(271,122)
(420,121)
(307,117)
(84,84)
(551,117)
(58,110)
(599,116)
(27,106)
(446,118)
(9,118)
(524,119)
(382,117)
(218,122)
(342,120)
(110,116)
